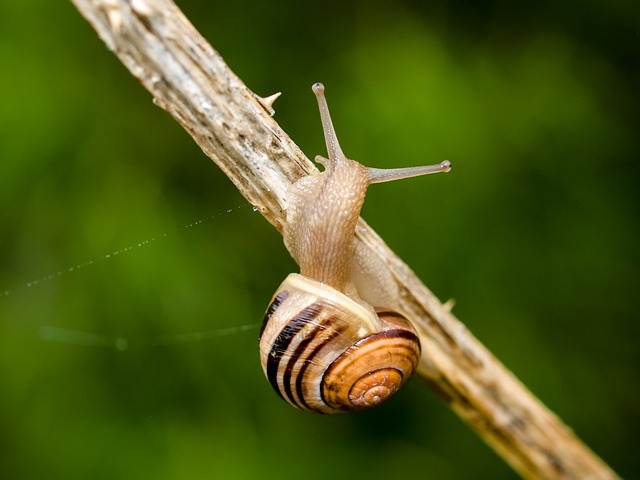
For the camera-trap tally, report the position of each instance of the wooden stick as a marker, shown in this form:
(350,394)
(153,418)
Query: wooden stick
(234,128)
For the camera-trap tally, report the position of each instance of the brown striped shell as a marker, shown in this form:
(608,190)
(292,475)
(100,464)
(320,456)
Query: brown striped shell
(325,353)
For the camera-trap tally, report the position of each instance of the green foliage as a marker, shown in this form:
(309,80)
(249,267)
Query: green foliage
(534,233)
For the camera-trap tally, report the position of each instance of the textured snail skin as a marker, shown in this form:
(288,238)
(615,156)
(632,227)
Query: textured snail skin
(323,346)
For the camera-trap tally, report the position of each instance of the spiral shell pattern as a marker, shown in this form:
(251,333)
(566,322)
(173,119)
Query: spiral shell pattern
(325,353)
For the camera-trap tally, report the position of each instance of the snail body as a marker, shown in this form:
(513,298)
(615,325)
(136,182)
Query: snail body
(330,343)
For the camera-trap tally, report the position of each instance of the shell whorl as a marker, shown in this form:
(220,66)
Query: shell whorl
(324,352)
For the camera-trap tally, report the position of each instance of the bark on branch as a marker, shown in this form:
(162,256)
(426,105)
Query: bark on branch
(233,126)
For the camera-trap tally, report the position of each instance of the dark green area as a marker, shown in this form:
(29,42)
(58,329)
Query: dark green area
(534,233)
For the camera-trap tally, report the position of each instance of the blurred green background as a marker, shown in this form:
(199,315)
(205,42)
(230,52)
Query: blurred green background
(534,234)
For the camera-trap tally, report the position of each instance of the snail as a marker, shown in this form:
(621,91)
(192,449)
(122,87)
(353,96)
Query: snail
(329,341)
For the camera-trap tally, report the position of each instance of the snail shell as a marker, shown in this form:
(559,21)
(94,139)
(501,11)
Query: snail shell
(326,353)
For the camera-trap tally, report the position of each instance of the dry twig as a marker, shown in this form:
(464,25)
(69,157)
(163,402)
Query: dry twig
(234,128)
